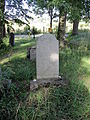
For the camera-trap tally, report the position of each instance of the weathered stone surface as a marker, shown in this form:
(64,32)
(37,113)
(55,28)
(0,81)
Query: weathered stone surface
(36,84)
(33,85)
(31,53)
(47,57)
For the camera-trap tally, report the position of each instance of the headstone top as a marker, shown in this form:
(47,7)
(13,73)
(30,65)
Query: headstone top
(47,37)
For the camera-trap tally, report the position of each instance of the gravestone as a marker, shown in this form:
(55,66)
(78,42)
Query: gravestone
(11,39)
(31,53)
(47,57)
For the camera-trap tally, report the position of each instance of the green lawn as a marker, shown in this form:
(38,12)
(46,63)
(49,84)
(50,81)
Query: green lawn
(83,42)
(16,58)
(18,51)
(71,102)
(86,76)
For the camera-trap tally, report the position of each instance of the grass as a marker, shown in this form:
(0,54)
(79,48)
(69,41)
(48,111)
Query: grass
(86,76)
(19,50)
(17,61)
(55,103)
(81,43)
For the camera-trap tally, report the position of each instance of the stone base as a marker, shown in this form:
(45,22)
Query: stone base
(36,84)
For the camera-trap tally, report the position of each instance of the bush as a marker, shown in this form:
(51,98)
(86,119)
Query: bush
(19,32)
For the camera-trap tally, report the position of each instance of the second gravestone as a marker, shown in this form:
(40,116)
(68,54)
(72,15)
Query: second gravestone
(47,57)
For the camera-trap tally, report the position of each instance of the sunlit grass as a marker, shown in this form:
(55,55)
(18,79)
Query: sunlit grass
(22,45)
(4,60)
(81,42)
(86,65)
(70,102)
(19,50)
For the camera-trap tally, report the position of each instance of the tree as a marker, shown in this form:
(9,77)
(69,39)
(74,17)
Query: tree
(62,7)
(17,10)
(87,8)
(61,29)
(4,30)
(2,6)
(41,7)
(53,6)
(78,10)
(14,11)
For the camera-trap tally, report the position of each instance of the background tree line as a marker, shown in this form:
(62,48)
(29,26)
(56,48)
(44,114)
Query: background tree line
(72,10)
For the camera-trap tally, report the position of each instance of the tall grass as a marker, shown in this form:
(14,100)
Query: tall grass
(71,102)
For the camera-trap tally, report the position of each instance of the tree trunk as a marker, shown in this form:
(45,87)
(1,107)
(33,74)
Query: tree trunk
(61,29)
(75,27)
(2,7)
(51,18)
(4,30)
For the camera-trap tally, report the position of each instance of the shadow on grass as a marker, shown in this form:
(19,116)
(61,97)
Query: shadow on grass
(22,68)
(18,51)
(68,103)
(22,44)
(82,39)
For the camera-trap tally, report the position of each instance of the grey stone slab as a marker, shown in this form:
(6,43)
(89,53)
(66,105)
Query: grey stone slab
(47,57)
(33,53)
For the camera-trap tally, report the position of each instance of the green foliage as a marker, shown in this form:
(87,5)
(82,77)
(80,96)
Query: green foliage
(2,46)
(75,14)
(27,31)
(35,31)
(24,31)
(7,73)
(19,22)
(19,32)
